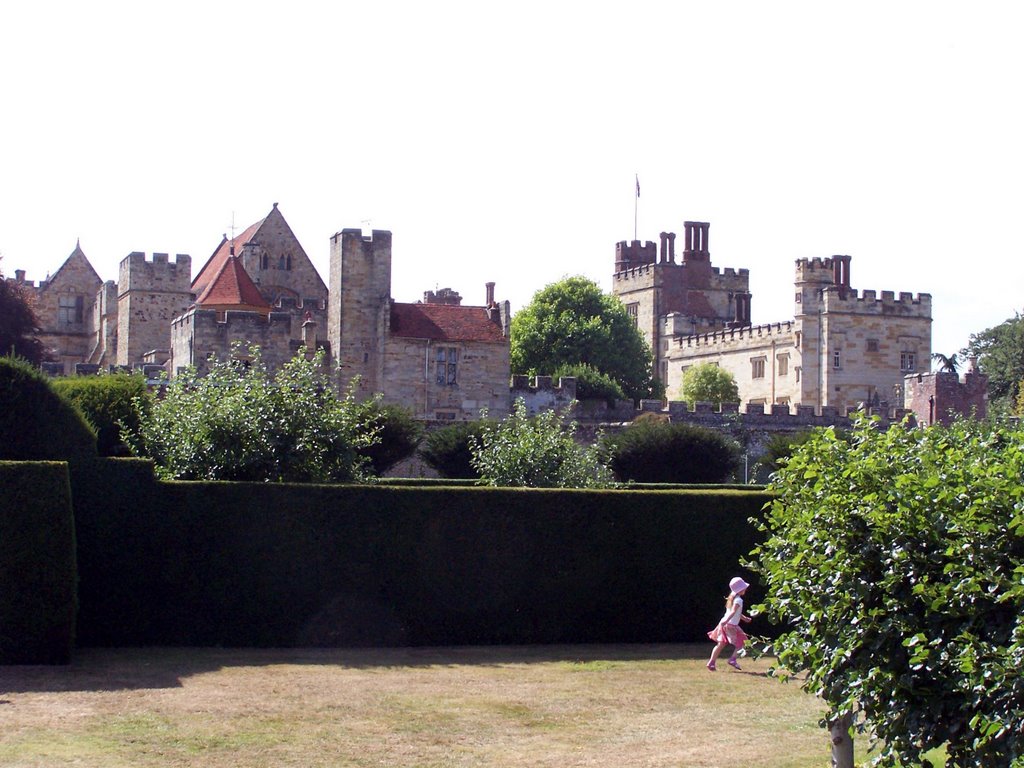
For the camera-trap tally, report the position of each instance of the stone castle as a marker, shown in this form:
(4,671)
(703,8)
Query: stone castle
(843,348)
(439,358)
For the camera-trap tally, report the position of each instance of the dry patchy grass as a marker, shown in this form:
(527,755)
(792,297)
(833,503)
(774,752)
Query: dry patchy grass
(623,706)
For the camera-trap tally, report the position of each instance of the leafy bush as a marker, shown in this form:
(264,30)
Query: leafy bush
(108,402)
(239,423)
(538,452)
(35,422)
(707,382)
(397,435)
(779,448)
(660,452)
(591,384)
(447,450)
(895,562)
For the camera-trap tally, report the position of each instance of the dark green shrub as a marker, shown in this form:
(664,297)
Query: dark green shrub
(653,452)
(37,564)
(397,433)
(108,402)
(447,450)
(35,422)
(591,384)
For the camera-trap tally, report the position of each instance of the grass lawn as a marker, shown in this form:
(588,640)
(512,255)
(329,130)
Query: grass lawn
(624,706)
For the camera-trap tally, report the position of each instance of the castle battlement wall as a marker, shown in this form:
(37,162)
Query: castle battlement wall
(542,394)
(871,302)
(729,335)
(632,253)
(160,273)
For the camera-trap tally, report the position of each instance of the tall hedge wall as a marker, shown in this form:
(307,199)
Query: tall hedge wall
(37,564)
(242,564)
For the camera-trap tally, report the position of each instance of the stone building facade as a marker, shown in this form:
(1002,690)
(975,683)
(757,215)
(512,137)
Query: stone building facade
(842,349)
(440,359)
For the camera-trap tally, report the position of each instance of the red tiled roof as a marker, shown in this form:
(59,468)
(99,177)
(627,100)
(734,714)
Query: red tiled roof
(216,262)
(232,287)
(441,322)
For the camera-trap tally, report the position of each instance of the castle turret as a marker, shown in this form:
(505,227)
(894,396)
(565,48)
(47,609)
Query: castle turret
(359,307)
(151,293)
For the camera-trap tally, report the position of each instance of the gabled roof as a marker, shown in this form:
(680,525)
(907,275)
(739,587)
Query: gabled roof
(442,322)
(77,256)
(220,256)
(232,287)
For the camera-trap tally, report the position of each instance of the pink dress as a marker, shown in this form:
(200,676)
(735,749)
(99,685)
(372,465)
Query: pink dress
(730,632)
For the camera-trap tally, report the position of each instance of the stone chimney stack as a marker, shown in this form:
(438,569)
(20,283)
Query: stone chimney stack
(19,276)
(309,333)
(490,294)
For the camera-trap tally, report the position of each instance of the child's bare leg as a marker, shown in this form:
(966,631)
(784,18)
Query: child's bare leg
(715,652)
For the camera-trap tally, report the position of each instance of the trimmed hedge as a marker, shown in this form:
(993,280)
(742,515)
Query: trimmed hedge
(37,564)
(107,401)
(249,564)
(36,424)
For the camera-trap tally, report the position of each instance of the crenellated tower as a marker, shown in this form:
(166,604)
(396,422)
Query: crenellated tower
(151,293)
(359,307)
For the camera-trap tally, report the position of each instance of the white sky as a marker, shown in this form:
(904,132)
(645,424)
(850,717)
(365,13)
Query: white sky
(500,141)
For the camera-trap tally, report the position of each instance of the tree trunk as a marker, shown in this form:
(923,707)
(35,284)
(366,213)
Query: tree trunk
(842,741)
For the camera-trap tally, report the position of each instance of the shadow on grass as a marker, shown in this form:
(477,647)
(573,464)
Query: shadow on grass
(116,669)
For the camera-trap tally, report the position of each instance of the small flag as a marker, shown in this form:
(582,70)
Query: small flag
(638,186)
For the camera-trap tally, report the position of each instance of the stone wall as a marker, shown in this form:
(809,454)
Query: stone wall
(151,293)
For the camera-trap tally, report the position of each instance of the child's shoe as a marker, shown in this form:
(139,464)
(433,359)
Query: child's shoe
(734,664)
(711,666)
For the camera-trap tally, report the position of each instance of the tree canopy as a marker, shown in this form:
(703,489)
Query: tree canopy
(18,325)
(572,322)
(707,382)
(1000,353)
(893,562)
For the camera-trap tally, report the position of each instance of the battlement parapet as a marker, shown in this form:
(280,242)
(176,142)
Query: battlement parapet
(873,302)
(731,272)
(158,273)
(727,335)
(632,253)
(294,304)
(632,273)
(542,394)
(731,416)
(232,319)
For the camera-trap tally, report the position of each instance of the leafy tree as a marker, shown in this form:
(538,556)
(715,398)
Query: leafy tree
(397,431)
(447,449)
(947,363)
(239,423)
(591,383)
(1000,353)
(660,452)
(538,452)
(709,383)
(18,324)
(893,561)
(572,322)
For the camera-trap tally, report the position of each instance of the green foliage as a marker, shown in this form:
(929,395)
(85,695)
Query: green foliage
(239,423)
(572,322)
(18,325)
(391,432)
(591,383)
(779,448)
(35,422)
(709,383)
(37,564)
(108,402)
(661,452)
(447,449)
(1000,353)
(895,562)
(538,452)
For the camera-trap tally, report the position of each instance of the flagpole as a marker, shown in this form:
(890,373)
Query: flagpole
(636,201)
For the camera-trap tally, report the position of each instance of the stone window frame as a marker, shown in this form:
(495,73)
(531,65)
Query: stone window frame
(70,309)
(782,361)
(757,366)
(872,345)
(633,310)
(837,359)
(908,360)
(446,366)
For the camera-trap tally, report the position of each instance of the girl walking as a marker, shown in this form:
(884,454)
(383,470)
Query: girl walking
(728,631)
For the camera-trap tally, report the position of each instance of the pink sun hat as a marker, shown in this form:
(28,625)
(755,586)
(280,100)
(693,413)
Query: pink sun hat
(737,585)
